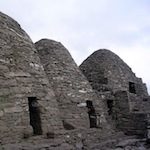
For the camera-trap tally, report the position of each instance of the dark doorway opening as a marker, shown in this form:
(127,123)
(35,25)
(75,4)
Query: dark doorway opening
(103,80)
(110,106)
(35,120)
(132,87)
(92,114)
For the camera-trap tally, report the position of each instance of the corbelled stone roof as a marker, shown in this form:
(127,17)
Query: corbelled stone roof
(69,84)
(123,93)
(104,64)
(43,92)
(23,84)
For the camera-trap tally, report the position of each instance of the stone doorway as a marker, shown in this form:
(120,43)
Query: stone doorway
(92,114)
(35,120)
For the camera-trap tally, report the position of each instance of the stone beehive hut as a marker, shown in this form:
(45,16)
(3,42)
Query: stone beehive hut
(108,69)
(123,93)
(43,92)
(77,101)
(26,97)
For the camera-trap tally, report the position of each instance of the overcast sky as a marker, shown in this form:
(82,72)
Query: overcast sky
(83,26)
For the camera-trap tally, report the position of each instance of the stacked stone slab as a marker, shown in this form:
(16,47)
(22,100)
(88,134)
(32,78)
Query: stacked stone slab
(24,88)
(43,91)
(123,93)
(70,86)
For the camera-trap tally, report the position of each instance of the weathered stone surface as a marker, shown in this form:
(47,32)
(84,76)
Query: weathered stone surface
(125,96)
(69,84)
(21,77)
(108,69)
(27,131)
(13,109)
(79,145)
(54,101)
(1,113)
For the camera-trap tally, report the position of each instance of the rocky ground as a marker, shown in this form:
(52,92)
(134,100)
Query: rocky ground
(80,141)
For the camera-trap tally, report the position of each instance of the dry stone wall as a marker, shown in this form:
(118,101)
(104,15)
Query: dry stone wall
(43,92)
(109,75)
(25,89)
(130,122)
(106,68)
(70,86)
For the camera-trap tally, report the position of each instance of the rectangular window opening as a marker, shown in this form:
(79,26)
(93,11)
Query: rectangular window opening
(110,106)
(103,80)
(145,99)
(132,87)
